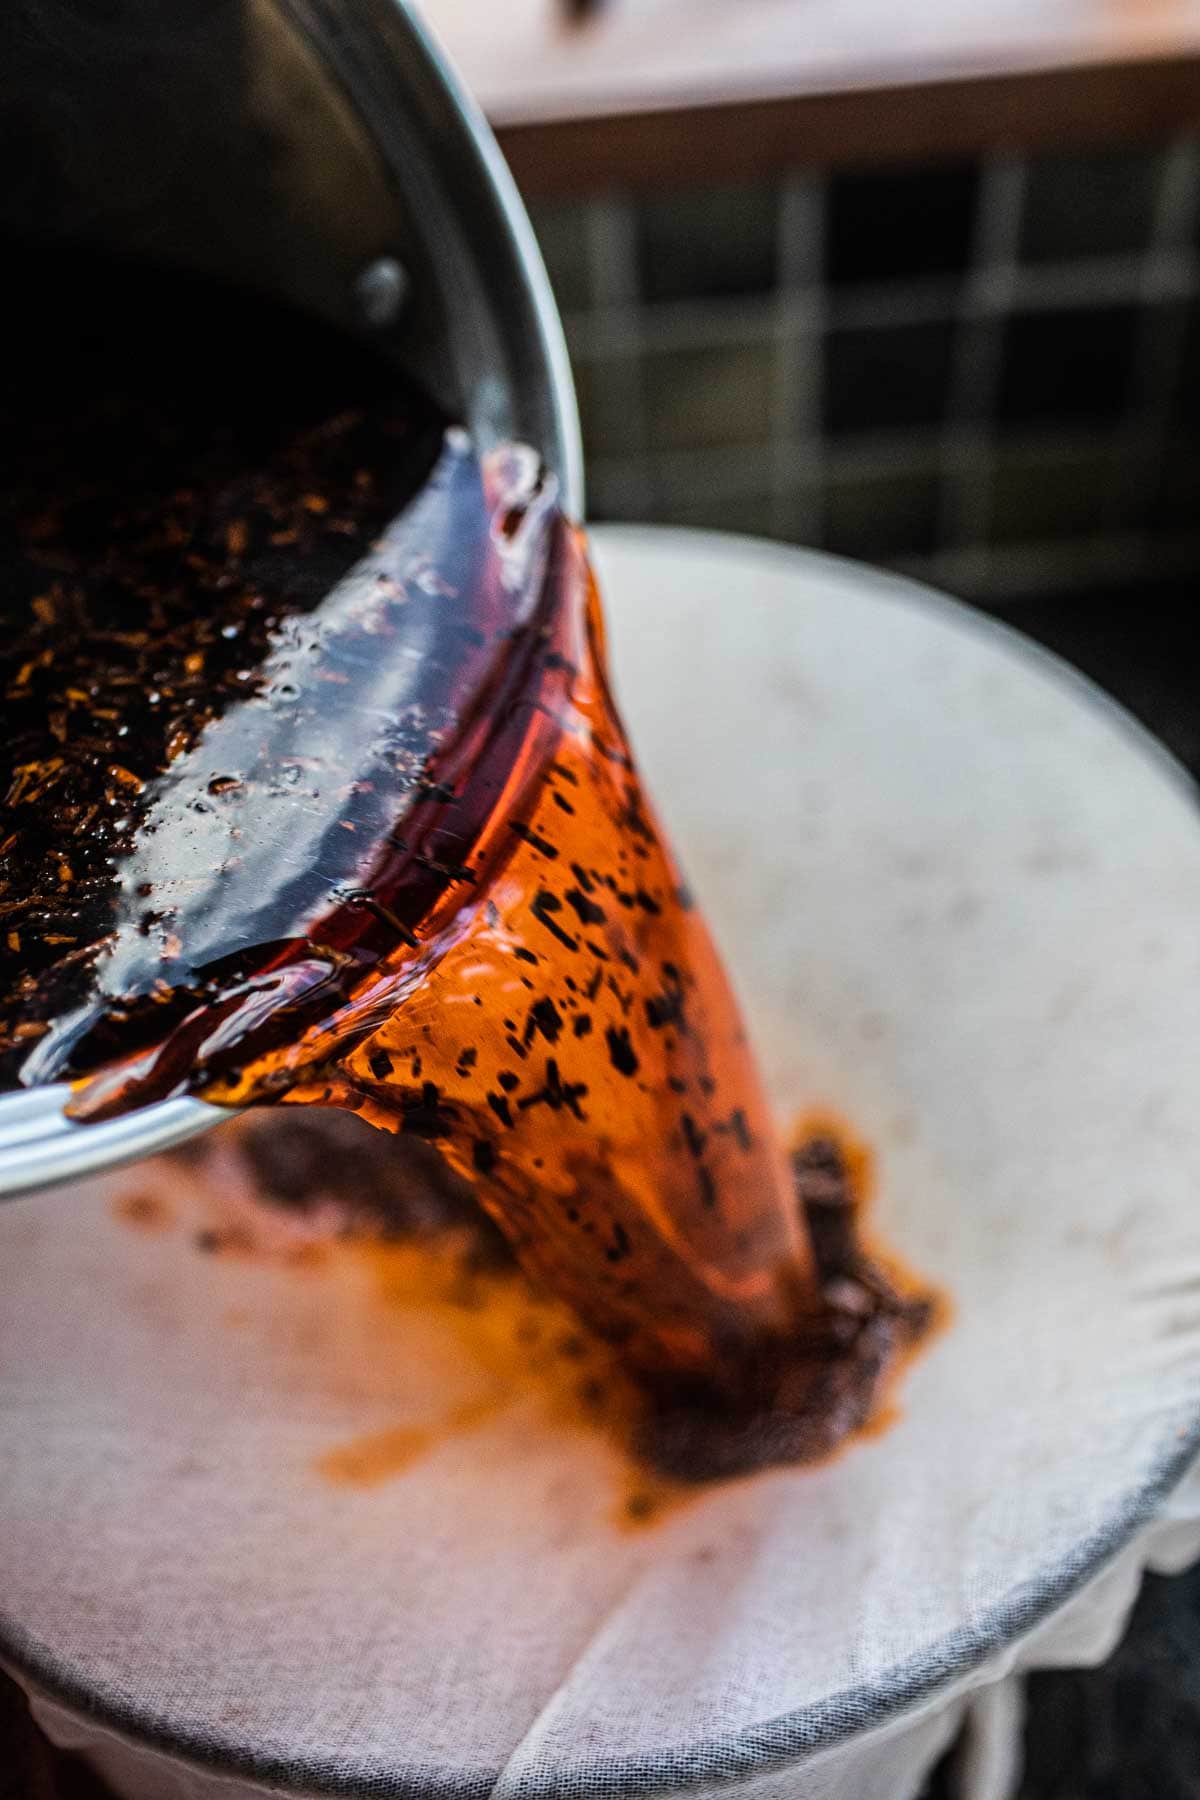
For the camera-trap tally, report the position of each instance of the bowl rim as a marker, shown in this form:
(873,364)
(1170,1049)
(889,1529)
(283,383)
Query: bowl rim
(789,1739)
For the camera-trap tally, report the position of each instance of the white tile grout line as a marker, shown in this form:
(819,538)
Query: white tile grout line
(880,306)
(965,501)
(732,470)
(1161,333)
(790,469)
(798,398)
(618,400)
(1056,565)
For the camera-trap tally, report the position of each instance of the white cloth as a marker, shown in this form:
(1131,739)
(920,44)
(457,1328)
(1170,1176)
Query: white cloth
(959,897)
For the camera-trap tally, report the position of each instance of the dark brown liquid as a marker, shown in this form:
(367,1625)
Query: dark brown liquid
(316,792)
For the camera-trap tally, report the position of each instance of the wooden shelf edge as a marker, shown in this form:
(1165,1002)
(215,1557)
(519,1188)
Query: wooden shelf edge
(1038,109)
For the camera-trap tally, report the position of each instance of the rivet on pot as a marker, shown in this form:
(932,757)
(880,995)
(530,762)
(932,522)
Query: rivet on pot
(381,290)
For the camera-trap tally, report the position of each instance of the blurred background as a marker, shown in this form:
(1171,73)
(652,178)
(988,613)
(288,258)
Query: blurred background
(917,283)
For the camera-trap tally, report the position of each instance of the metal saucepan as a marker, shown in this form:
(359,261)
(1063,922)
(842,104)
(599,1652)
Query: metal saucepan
(320,151)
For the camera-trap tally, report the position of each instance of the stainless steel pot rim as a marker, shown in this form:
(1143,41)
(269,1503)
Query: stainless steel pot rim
(39,1146)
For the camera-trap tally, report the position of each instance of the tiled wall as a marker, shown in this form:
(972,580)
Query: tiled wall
(985,374)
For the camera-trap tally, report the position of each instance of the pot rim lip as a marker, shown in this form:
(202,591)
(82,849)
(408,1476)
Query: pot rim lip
(39,1146)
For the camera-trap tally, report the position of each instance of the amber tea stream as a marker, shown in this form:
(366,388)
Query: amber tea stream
(316,793)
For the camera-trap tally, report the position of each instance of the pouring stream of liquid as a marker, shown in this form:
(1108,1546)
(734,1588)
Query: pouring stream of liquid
(398,859)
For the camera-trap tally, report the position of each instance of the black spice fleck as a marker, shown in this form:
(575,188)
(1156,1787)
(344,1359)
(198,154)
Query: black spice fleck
(621,1052)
